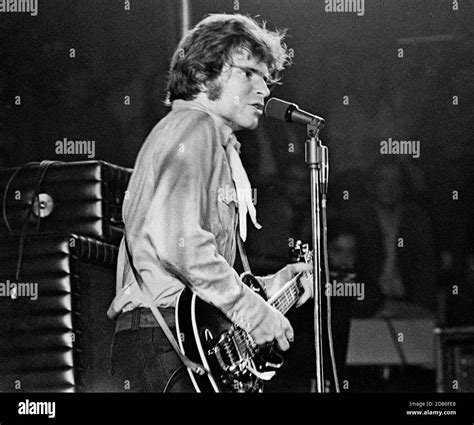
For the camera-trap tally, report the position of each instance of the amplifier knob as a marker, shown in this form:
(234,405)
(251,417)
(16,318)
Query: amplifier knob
(43,205)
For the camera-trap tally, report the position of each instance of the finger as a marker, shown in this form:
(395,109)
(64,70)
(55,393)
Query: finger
(283,343)
(305,297)
(262,338)
(307,292)
(287,329)
(300,267)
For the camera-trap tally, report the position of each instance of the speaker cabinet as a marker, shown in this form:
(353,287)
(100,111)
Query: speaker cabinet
(455,359)
(83,197)
(55,335)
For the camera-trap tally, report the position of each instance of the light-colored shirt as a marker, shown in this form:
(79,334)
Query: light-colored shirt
(180,218)
(178,227)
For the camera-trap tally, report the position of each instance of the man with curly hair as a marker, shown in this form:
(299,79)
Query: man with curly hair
(180,223)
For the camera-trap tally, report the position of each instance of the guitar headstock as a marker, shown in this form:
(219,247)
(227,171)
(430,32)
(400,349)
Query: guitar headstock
(301,252)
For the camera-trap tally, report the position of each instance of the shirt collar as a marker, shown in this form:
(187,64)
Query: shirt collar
(225,131)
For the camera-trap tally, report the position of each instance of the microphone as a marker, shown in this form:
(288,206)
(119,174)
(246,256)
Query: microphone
(289,112)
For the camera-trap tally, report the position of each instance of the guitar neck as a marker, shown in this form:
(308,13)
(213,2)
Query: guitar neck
(287,296)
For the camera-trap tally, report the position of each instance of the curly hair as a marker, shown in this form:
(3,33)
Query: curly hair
(203,52)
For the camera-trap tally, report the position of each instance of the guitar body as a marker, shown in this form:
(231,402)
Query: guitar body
(208,337)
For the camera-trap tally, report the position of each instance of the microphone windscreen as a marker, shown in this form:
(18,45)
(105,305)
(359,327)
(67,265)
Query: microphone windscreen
(277,108)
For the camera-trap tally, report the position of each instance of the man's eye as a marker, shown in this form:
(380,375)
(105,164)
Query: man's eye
(248,73)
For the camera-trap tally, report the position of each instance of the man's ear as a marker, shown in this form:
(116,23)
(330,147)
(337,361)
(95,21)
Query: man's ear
(202,86)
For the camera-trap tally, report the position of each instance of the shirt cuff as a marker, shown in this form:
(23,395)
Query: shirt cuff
(249,311)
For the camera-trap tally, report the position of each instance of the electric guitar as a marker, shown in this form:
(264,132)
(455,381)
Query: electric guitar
(235,362)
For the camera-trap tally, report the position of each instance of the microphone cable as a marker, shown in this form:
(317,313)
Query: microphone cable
(328,296)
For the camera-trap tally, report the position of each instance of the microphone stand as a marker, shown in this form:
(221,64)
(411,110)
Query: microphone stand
(316,157)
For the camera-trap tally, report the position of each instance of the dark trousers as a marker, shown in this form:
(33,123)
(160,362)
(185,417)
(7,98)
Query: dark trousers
(142,359)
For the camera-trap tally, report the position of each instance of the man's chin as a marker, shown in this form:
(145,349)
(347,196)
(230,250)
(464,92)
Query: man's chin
(247,125)
(253,125)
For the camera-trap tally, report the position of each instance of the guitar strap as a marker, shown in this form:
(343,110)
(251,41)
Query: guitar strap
(243,254)
(195,367)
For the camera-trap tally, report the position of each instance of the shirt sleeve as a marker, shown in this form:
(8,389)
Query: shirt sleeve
(178,228)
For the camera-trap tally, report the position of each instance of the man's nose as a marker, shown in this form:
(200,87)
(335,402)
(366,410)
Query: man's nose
(262,88)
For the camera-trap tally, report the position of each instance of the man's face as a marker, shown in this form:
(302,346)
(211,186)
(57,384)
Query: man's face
(243,90)
(342,252)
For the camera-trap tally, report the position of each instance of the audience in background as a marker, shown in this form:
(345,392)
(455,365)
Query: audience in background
(397,242)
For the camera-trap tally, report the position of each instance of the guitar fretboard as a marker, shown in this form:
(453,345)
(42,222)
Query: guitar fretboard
(287,296)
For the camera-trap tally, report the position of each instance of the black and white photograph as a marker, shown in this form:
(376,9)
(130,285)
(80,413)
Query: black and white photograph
(207,198)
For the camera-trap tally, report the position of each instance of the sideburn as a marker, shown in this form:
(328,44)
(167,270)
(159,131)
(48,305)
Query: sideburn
(214,90)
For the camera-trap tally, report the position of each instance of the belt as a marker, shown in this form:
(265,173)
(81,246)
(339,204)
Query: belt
(142,317)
